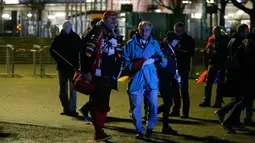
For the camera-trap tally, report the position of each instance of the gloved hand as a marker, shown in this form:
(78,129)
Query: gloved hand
(110,49)
(178,79)
(148,61)
(113,43)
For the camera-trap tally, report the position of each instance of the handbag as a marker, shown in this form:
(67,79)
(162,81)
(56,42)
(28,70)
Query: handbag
(81,84)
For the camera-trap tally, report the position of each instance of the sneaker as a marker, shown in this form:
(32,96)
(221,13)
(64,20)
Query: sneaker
(174,114)
(240,127)
(74,114)
(70,113)
(102,136)
(87,119)
(85,115)
(228,128)
(168,130)
(65,112)
(184,116)
(139,136)
(204,104)
(148,132)
(249,122)
(219,116)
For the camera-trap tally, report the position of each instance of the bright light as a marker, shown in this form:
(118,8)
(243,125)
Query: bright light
(210,1)
(225,17)
(158,10)
(196,15)
(51,17)
(6,16)
(60,14)
(11,1)
(187,2)
(90,0)
(127,2)
(29,15)
(123,19)
(123,14)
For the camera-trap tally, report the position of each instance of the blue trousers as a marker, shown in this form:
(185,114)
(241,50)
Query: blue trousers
(136,100)
(67,103)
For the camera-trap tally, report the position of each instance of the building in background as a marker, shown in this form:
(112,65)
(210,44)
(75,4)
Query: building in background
(44,18)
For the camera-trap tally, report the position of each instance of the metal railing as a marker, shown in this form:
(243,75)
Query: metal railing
(9,59)
(38,54)
(9,63)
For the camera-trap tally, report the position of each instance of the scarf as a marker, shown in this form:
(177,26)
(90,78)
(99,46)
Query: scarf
(101,46)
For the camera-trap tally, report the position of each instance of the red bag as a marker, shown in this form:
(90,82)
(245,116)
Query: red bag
(82,85)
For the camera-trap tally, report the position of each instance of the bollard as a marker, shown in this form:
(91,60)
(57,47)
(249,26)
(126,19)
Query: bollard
(42,65)
(7,62)
(36,47)
(40,62)
(10,57)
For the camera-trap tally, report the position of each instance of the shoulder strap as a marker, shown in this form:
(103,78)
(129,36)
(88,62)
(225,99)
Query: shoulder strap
(230,44)
(237,50)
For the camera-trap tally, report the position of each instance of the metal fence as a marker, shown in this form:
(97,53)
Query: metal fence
(23,56)
(8,64)
(39,62)
(40,55)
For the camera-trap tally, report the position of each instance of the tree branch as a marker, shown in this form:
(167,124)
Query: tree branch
(160,2)
(241,6)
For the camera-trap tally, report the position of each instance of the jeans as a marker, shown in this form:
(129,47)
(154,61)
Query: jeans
(136,99)
(67,103)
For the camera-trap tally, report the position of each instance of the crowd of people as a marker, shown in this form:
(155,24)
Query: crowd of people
(154,68)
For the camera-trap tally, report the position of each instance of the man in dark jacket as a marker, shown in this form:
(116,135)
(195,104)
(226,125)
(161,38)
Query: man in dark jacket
(184,51)
(249,80)
(233,77)
(216,54)
(68,45)
(244,85)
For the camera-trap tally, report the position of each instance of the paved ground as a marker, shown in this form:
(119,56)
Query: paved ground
(32,100)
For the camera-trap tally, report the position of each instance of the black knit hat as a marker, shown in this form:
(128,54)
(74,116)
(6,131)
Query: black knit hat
(171,36)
